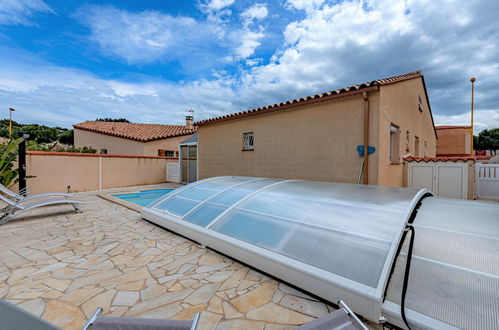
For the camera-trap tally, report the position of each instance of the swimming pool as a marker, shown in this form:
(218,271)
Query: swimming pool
(144,197)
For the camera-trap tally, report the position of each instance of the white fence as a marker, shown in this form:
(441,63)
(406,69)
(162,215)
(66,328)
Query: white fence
(487,181)
(173,172)
(444,179)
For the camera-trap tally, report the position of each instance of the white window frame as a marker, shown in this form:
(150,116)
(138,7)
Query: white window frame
(248,141)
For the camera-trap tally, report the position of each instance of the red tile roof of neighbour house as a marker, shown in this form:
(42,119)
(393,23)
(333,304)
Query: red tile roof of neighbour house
(347,91)
(451,127)
(135,131)
(457,158)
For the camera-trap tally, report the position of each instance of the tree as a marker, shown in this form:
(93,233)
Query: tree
(114,120)
(487,139)
(67,137)
(38,133)
(8,157)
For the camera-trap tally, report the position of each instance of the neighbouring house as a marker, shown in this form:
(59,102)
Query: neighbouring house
(453,140)
(133,138)
(321,137)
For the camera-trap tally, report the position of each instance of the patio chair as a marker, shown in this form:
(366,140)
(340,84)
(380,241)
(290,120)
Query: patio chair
(342,318)
(15,318)
(97,322)
(15,208)
(19,197)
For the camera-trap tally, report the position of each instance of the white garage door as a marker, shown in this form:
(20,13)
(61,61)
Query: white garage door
(444,179)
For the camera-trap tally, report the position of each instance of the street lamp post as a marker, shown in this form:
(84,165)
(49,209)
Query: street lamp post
(472,110)
(10,122)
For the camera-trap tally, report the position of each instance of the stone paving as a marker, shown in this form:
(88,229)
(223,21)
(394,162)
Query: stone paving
(62,266)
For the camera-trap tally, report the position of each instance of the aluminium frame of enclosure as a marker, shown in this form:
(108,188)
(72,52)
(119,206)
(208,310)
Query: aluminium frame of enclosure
(363,299)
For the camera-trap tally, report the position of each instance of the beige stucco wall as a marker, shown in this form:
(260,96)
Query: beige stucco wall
(57,171)
(114,145)
(453,141)
(120,146)
(151,148)
(399,106)
(313,142)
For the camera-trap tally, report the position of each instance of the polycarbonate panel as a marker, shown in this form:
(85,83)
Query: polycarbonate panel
(205,214)
(369,221)
(322,224)
(177,205)
(454,274)
(325,249)
(345,229)
(238,192)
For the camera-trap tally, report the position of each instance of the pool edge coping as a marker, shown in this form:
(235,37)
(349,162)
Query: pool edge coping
(119,201)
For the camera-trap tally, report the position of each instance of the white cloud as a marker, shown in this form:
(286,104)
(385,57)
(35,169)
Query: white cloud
(147,36)
(250,41)
(216,5)
(250,38)
(258,11)
(305,4)
(20,12)
(483,119)
(335,44)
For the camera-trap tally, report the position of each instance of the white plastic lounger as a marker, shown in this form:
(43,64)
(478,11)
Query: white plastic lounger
(15,318)
(340,319)
(97,322)
(15,208)
(19,197)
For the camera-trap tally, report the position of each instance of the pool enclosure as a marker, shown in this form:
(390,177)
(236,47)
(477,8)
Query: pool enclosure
(351,242)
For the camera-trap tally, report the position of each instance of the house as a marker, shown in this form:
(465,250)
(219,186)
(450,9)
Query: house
(133,138)
(321,137)
(453,140)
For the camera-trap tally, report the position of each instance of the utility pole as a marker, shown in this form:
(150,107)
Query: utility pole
(22,164)
(472,110)
(10,123)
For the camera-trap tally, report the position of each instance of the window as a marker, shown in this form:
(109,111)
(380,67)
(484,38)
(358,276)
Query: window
(407,142)
(248,141)
(103,151)
(425,152)
(166,153)
(420,103)
(394,143)
(416,146)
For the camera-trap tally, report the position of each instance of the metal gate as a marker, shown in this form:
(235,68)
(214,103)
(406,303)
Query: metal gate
(487,181)
(444,179)
(172,172)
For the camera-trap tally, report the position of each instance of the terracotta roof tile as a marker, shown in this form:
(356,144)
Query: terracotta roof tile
(450,127)
(346,91)
(135,131)
(446,158)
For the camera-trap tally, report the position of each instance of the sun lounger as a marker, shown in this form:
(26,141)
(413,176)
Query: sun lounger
(341,319)
(97,322)
(15,318)
(19,197)
(15,208)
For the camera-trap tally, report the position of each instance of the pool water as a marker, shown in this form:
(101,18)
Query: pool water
(144,197)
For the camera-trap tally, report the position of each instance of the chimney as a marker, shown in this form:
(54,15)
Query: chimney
(189,122)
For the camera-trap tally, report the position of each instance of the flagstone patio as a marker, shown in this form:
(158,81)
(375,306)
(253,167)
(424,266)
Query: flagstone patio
(62,266)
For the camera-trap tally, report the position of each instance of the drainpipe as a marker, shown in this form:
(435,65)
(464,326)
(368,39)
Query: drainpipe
(366,138)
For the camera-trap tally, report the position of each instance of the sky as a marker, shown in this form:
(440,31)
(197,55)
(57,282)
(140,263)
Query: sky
(64,62)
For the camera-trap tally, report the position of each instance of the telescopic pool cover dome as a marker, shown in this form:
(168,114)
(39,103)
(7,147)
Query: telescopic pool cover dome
(337,241)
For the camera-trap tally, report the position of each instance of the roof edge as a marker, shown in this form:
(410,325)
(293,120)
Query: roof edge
(288,104)
(122,136)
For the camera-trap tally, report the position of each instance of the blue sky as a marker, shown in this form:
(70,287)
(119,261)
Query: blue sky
(63,62)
